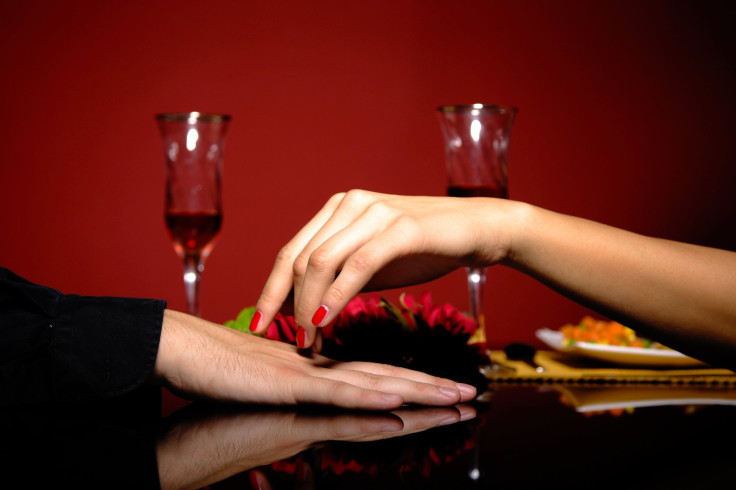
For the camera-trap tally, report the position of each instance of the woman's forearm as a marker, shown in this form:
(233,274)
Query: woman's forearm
(680,294)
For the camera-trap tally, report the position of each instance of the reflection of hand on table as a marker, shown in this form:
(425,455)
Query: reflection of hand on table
(208,448)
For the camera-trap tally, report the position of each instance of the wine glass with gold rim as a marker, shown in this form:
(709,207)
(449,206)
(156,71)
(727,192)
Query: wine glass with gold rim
(476,138)
(193,148)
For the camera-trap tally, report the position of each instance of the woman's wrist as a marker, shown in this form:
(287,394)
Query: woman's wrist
(509,228)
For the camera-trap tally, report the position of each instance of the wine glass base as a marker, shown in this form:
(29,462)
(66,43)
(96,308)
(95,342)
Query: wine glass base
(484,397)
(491,369)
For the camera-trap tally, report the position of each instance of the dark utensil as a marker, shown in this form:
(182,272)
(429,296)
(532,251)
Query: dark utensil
(519,351)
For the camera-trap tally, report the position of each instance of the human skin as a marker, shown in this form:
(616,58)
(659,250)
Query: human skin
(677,293)
(200,359)
(206,448)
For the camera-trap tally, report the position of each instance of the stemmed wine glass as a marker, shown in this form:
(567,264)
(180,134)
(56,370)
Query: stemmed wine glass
(193,147)
(476,140)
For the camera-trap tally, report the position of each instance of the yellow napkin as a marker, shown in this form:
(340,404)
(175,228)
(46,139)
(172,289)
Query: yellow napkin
(561,368)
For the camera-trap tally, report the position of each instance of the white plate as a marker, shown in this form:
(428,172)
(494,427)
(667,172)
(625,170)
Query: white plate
(618,354)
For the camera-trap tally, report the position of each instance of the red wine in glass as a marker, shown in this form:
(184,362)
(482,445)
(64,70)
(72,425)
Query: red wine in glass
(476,191)
(193,233)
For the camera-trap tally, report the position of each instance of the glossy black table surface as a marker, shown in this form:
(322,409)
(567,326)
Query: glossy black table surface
(541,436)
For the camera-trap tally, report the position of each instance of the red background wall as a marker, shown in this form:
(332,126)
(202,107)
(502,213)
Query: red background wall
(626,117)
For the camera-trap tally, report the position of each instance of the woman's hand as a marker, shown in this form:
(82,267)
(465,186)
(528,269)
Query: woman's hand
(676,293)
(197,358)
(362,241)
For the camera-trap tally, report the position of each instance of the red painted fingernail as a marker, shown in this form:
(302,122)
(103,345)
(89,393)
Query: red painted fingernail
(256,480)
(303,472)
(319,315)
(255,321)
(301,337)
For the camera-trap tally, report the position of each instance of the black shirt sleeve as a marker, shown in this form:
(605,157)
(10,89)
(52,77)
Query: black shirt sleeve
(57,347)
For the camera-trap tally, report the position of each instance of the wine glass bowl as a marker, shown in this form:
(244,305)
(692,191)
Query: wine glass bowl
(193,233)
(193,148)
(476,148)
(476,138)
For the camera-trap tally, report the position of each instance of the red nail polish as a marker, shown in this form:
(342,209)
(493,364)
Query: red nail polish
(256,479)
(255,321)
(319,315)
(301,337)
(302,472)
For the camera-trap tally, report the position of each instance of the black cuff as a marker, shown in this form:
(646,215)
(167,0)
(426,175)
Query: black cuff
(103,346)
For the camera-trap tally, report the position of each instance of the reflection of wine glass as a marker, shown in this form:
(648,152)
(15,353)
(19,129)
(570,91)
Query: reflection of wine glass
(193,147)
(476,146)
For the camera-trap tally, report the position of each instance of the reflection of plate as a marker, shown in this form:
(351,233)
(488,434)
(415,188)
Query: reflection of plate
(591,399)
(631,356)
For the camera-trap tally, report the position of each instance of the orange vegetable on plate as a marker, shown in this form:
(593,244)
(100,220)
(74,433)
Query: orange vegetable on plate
(604,332)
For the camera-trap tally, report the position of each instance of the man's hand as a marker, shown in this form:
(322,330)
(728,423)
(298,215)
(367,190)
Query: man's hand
(197,358)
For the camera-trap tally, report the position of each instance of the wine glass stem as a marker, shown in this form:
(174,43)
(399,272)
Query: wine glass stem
(192,272)
(476,290)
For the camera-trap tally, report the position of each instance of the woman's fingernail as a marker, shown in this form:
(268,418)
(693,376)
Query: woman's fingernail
(319,315)
(303,472)
(301,338)
(256,480)
(255,321)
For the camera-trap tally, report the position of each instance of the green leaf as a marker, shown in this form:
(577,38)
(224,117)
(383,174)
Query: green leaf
(242,322)
(394,312)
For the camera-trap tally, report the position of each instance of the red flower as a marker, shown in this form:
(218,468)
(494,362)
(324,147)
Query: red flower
(446,315)
(452,319)
(358,306)
(415,334)
(359,309)
(374,309)
(283,328)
